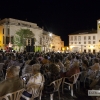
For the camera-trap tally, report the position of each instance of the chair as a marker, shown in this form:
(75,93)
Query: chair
(12,96)
(56,84)
(1,71)
(75,76)
(94,74)
(35,90)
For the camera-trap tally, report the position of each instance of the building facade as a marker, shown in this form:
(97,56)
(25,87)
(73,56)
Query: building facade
(86,41)
(9,27)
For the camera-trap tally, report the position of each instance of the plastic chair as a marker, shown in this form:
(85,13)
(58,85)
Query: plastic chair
(1,71)
(12,96)
(94,74)
(35,90)
(75,76)
(56,84)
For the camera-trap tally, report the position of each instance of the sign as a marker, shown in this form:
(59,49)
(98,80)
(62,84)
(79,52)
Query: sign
(93,92)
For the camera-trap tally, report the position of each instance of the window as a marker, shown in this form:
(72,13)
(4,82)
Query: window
(89,42)
(84,37)
(79,42)
(8,31)
(7,40)
(99,40)
(89,50)
(71,38)
(3,39)
(12,39)
(3,31)
(75,38)
(93,42)
(79,38)
(75,42)
(93,37)
(71,42)
(85,42)
(18,23)
(89,37)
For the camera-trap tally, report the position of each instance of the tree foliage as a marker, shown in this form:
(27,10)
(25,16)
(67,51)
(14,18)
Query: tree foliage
(21,36)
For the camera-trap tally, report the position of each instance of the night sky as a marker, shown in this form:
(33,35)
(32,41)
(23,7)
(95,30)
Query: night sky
(61,17)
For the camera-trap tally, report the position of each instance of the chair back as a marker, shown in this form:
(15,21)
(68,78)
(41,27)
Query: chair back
(37,90)
(1,66)
(12,96)
(56,84)
(76,76)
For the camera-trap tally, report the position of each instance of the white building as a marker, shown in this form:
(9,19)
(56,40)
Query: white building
(86,41)
(9,27)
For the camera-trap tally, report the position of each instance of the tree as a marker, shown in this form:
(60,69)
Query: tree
(21,36)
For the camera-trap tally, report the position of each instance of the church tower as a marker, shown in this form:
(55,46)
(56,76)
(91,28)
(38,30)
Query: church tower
(98,32)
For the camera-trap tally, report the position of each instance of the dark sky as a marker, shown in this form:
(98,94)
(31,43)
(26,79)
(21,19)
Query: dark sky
(61,17)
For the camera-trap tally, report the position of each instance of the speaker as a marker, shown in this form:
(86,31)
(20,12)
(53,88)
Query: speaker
(28,48)
(32,42)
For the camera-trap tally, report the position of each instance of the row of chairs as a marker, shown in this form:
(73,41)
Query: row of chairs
(37,92)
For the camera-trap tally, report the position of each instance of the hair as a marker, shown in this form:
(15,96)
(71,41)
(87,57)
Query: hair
(85,62)
(36,67)
(13,70)
(96,60)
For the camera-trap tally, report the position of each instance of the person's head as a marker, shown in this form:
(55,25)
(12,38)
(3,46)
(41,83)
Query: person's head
(54,69)
(96,60)
(29,57)
(13,57)
(12,71)
(76,64)
(36,68)
(85,63)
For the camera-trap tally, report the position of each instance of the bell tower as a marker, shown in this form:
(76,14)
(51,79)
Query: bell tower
(98,32)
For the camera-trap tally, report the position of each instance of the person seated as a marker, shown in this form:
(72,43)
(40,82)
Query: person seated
(13,62)
(52,75)
(35,80)
(73,70)
(37,77)
(12,82)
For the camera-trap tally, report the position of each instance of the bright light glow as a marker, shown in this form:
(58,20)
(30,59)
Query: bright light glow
(99,21)
(50,34)
(71,47)
(9,45)
(63,49)
(91,46)
(67,48)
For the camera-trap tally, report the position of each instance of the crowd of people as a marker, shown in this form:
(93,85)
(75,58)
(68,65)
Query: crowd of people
(21,70)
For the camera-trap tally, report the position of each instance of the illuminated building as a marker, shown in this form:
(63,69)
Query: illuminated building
(86,41)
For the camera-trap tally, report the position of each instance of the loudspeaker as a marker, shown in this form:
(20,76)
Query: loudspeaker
(30,48)
(32,42)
